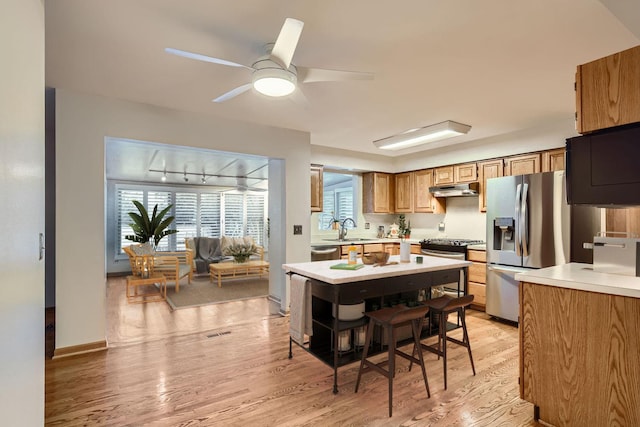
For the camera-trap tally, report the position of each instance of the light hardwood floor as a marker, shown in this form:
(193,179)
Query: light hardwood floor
(227,365)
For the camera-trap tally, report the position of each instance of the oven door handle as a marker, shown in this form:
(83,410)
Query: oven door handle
(441,254)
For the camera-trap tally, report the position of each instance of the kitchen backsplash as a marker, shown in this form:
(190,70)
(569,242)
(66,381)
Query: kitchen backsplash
(462,220)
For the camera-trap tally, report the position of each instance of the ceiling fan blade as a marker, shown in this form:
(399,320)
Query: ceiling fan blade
(286,43)
(204,58)
(300,99)
(311,75)
(233,93)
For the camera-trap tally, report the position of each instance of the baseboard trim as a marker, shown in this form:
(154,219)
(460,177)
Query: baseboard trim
(75,350)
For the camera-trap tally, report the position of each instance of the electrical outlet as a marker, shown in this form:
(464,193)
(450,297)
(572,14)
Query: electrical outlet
(297,229)
(367,225)
(441,226)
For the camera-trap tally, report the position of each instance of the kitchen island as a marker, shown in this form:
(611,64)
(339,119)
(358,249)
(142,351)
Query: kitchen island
(580,346)
(377,286)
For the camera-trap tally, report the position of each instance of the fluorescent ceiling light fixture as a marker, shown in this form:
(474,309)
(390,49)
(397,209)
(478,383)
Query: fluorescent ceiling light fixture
(443,130)
(274,81)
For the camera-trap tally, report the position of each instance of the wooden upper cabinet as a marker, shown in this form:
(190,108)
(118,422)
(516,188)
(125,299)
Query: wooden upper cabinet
(444,175)
(522,165)
(467,172)
(486,170)
(553,160)
(378,192)
(608,91)
(404,192)
(316,188)
(424,201)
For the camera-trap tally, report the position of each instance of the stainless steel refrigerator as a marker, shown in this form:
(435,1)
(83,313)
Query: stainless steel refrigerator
(530,225)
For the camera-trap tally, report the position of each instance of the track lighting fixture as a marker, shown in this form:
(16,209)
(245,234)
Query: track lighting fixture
(164,176)
(203,179)
(185,177)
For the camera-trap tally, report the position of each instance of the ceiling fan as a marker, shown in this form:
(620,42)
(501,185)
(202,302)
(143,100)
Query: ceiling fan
(273,74)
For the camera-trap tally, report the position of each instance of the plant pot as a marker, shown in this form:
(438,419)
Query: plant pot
(240,258)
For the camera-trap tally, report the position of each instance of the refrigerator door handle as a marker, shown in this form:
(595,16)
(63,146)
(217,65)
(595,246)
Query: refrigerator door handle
(518,242)
(524,221)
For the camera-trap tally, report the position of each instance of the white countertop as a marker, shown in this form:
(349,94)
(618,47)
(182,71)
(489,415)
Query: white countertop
(320,270)
(582,277)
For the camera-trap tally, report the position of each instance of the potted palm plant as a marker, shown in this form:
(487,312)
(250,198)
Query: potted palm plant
(147,228)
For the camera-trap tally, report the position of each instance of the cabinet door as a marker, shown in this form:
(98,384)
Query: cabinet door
(377,193)
(392,248)
(522,165)
(444,175)
(316,188)
(486,170)
(423,200)
(466,173)
(553,160)
(608,91)
(404,192)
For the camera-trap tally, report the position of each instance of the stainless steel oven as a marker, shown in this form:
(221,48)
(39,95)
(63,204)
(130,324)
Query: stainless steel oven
(447,248)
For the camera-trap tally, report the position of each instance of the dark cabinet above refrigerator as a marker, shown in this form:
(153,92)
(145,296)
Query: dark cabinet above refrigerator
(603,168)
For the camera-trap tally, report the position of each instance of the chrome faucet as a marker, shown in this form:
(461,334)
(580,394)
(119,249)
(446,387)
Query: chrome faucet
(343,231)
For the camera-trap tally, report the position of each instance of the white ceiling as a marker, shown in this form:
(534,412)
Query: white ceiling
(498,65)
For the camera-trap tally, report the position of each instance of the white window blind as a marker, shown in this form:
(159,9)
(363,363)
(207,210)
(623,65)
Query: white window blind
(344,204)
(186,222)
(233,215)
(210,215)
(124,205)
(328,210)
(197,213)
(255,217)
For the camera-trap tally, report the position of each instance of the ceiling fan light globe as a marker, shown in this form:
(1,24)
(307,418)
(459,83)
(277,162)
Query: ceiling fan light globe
(274,86)
(274,82)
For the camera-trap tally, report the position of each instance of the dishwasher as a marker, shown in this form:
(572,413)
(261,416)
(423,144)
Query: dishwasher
(324,253)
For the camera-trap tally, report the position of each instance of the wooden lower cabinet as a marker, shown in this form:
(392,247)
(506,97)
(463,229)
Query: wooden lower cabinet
(580,356)
(478,278)
(344,251)
(392,248)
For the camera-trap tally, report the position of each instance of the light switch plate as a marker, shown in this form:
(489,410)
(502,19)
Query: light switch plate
(367,225)
(297,229)
(441,226)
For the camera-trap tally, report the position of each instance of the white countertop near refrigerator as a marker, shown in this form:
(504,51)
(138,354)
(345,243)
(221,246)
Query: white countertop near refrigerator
(582,277)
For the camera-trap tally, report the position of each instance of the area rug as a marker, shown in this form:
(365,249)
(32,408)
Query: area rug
(202,292)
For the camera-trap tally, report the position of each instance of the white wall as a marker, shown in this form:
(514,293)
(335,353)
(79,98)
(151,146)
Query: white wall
(22,200)
(82,124)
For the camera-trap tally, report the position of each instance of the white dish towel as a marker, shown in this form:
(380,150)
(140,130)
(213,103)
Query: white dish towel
(300,322)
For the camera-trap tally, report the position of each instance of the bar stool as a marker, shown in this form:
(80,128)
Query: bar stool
(442,307)
(391,318)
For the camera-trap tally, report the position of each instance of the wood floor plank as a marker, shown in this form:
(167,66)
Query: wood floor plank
(228,365)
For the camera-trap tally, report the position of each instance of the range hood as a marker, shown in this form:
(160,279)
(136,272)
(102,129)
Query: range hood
(455,190)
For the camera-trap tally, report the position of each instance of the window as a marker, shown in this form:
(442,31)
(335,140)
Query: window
(197,213)
(338,199)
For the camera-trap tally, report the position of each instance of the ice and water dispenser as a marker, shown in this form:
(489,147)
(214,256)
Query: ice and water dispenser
(504,234)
